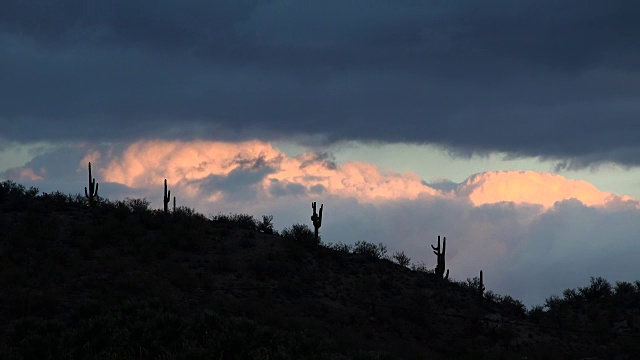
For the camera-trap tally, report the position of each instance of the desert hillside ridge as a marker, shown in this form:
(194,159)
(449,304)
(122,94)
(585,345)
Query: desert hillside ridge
(88,277)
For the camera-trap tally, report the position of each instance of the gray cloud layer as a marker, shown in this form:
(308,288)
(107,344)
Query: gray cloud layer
(555,79)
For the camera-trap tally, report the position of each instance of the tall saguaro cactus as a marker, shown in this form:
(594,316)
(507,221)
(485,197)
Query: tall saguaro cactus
(92,192)
(167,197)
(440,256)
(317,219)
(481,287)
(174,209)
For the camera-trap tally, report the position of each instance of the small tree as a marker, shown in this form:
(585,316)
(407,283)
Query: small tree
(401,258)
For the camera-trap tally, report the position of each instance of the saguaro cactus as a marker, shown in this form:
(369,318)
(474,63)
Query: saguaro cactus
(481,286)
(317,219)
(440,256)
(92,192)
(174,209)
(167,197)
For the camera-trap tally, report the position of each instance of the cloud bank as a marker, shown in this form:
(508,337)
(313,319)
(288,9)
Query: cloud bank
(555,79)
(533,234)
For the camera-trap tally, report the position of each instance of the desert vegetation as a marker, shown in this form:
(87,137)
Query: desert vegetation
(88,277)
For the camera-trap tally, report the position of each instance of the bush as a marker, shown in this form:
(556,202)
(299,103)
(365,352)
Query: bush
(137,205)
(472,284)
(401,258)
(598,288)
(266,226)
(339,246)
(10,188)
(624,288)
(553,303)
(535,314)
(243,221)
(421,267)
(572,296)
(512,306)
(300,233)
(370,249)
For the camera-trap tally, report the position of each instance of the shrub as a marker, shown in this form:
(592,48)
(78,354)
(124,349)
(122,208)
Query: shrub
(266,226)
(401,258)
(137,205)
(571,295)
(624,288)
(553,303)
(421,267)
(370,249)
(244,221)
(300,233)
(598,288)
(472,283)
(512,306)
(339,246)
(535,314)
(10,188)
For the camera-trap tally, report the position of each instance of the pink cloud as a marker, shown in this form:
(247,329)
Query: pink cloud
(147,163)
(25,174)
(188,165)
(531,187)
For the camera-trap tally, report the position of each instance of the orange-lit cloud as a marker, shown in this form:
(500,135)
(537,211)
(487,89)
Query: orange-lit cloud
(147,163)
(24,174)
(189,165)
(534,188)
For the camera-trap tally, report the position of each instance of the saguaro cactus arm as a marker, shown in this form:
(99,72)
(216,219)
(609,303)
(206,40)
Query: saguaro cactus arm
(92,192)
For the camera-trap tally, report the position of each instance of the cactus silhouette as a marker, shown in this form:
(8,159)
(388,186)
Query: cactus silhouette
(317,220)
(174,208)
(481,287)
(92,192)
(440,256)
(167,197)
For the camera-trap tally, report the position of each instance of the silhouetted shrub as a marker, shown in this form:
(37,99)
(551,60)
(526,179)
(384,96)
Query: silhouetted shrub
(401,258)
(266,226)
(572,295)
(244,221)
(552,303)
(339,246)
(9,188)
(512,306)
(598,288)
(472,284)
(535,314)
(300,233)
(624,288)
(137,205)
(421,267)
(370,249)
(57,200)
(16,196)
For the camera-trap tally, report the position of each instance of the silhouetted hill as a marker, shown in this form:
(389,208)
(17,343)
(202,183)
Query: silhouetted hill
(118,280)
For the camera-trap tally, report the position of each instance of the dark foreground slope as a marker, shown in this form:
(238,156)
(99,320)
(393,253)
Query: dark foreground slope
(120,281)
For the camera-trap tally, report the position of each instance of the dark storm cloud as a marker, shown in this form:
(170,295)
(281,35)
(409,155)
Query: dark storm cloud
(556,79)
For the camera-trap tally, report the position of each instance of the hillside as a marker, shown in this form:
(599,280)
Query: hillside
(118,280)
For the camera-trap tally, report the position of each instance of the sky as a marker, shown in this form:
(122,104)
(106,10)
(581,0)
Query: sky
(509,127)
